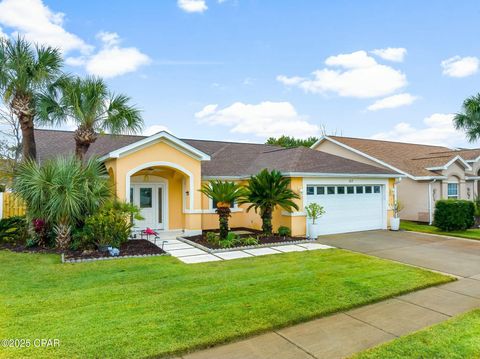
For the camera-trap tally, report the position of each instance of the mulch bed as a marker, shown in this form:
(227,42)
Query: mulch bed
(202,238)
(130,248)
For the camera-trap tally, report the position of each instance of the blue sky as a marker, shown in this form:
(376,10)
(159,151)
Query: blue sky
(248,69)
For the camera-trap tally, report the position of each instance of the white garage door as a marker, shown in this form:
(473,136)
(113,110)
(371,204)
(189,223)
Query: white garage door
(348,208)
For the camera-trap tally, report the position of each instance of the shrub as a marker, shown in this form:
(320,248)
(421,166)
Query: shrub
(284,231)
(249,241)
(212,238)
(110,226)
(452,214)
(62,191)
(231,240)
(13,230)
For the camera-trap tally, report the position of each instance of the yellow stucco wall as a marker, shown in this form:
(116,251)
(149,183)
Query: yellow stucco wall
(165,153)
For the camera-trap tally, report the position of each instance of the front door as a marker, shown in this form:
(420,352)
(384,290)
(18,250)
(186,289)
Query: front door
(150,198)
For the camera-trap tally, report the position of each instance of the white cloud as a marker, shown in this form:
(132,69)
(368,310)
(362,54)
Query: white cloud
(361,77)
(192,5)
(35,21)
(262,120)
(394,101)
(354,60)
(112,60)
(460,66)
(151,130)
(396,54)
(438,130)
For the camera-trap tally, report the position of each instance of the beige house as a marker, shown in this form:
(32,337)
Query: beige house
(431,172)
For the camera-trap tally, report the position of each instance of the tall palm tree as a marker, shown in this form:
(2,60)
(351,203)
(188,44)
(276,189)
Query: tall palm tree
(25,71)
(224,194)
(267,190)
(94,109)
(62,191)
(469,119)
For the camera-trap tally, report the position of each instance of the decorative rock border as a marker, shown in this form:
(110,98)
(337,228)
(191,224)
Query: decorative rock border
(81,260)
(220,250)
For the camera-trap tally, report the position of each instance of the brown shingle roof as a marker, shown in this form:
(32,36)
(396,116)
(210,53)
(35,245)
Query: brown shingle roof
(227,158)
(411,158)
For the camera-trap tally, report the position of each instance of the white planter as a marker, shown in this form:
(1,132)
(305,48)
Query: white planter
(313,230)
(395,224)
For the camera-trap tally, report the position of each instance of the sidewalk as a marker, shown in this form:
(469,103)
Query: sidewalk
(346,333)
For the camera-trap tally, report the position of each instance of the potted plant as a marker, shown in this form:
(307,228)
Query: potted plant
(314,212)
(395,221)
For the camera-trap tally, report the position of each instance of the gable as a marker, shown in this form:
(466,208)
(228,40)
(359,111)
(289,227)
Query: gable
(337,150)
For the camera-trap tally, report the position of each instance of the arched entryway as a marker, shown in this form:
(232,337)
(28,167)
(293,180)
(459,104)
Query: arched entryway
(162,192)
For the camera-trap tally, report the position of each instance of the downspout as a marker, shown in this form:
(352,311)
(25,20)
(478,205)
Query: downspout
(430,199)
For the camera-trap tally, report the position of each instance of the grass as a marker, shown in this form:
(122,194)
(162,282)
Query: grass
(159,306)
(425,228)
(455,338)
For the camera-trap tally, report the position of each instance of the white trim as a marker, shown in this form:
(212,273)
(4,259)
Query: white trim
(162,135)
(158,164)
(342,175)
(323,138)
(212,211)
(472,178)
(293,214)
(1,204)
(449,163)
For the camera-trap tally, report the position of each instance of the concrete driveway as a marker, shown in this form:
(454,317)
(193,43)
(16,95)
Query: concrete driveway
(459,257)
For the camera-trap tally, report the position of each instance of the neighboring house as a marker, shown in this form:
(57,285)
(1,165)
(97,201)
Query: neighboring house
(162,174)
(431,172)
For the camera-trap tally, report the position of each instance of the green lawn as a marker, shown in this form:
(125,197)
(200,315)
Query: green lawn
(158,306)
(413,226)
(457,338)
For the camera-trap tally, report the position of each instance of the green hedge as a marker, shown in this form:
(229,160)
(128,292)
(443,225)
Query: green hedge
(453,214)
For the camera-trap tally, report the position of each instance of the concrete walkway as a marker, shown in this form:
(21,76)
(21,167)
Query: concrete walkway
(190,254)
(347,333)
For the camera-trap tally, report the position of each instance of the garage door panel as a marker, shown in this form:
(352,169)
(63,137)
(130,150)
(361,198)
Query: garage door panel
(349,212)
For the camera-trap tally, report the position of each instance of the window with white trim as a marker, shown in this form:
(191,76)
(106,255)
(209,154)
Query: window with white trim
(452,190)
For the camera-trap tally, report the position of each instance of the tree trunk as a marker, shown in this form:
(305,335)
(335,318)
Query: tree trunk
(223,215)
(21,106)
(29,148)
(267,221)
(84,137)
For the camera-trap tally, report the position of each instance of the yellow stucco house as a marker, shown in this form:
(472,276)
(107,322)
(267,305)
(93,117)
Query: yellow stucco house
(162,174)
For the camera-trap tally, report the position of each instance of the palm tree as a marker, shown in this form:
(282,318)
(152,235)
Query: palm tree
(62,191)
(224,194)
(267,190)
(93,108)
(469,120)
(25,71)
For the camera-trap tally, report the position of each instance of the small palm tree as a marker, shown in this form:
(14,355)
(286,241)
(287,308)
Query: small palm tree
(25,71)
(62,191)
(93,108)
(224,193)
(469,119)
(267,190)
